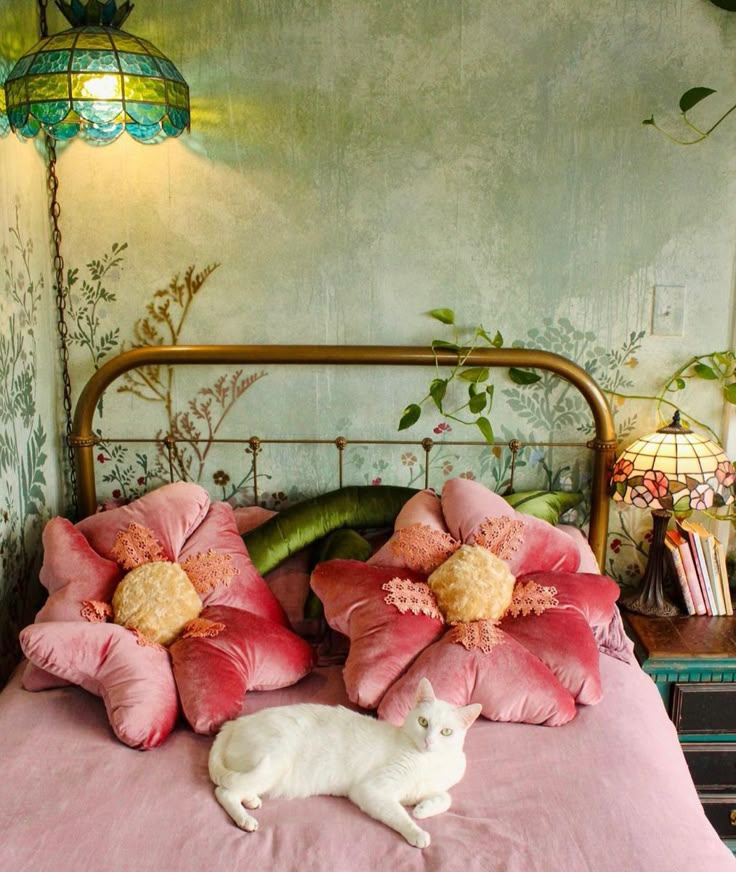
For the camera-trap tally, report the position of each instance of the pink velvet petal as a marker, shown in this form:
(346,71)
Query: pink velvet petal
(134,681)
(466,504)
(72,572)
(563,641)
(383,642)
(248,518)
(171,512)
(593,595)
(508,681)
(213,673)
(247,590)
(423,508)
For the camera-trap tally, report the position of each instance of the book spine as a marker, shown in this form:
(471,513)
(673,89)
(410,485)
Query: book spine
(688,538)
(691,575)
(721,559)
(700,561)
(714,572)
(680,575)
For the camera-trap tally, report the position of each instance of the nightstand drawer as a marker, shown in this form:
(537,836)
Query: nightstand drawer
(712,766)
(720,809)
(704,709)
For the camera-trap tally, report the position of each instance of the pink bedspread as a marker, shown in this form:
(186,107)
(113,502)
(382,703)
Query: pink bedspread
(608,792)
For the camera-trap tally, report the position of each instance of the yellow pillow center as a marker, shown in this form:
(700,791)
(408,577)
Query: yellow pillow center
(472,585)
(156,599)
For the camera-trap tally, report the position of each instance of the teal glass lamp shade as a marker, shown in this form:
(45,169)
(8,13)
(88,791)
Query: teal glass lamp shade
(96,81)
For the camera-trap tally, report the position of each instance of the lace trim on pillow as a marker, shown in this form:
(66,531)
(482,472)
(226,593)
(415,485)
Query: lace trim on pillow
(411,596)
(423,548)
(478,635)
(501,536)
(95,611)
(530,597)
(202,628)
(208,570)
(144,642)
(135,546)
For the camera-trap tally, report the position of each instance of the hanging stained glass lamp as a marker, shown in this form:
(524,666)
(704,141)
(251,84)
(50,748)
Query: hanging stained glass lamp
(96,80)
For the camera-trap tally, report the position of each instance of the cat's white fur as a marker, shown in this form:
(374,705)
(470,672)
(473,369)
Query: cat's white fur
(305,750)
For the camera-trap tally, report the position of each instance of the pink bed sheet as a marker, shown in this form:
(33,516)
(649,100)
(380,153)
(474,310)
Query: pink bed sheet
(608,792)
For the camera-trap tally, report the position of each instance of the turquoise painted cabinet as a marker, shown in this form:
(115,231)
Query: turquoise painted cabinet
(692,660)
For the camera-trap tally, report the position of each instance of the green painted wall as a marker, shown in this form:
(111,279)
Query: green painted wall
(353,164)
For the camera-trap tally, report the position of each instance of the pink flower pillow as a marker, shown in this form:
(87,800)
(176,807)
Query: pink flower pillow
(532,666)
(73,640)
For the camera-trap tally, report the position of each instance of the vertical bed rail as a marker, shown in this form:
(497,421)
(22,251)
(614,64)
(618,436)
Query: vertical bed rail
(603,444)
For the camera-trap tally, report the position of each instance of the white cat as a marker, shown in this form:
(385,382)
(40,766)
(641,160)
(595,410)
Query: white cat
(304,750)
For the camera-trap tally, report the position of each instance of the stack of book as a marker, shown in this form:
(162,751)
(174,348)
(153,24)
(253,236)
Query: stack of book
(699,562)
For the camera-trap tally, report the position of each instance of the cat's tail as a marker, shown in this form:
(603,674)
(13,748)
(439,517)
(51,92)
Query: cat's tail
(220,774)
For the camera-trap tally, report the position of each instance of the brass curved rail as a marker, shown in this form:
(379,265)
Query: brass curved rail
(603,446)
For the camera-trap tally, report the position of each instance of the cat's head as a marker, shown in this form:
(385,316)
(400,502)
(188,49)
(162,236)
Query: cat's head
(435,725)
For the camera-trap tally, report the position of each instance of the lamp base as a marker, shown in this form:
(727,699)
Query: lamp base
(649,598)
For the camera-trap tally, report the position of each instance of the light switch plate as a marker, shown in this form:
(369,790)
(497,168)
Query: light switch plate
(668,311)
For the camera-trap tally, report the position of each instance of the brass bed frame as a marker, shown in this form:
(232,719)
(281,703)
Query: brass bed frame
(603,446)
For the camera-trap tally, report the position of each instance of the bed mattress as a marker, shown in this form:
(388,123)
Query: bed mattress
(607,792)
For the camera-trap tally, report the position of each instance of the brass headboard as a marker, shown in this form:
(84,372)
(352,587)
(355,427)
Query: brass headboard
(603,445)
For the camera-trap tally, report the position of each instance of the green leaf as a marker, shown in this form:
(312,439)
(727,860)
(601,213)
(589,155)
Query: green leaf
(411,415)
(437,391)
(484,425)
(478,403)
(729,392)
(475,374)
(489,391)
(703,371)
(440,343)
(677,385)
(496,341)
(693,97)
(523,376)
(446,316)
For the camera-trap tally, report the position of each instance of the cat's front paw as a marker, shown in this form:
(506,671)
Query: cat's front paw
(248,823)
(418,838)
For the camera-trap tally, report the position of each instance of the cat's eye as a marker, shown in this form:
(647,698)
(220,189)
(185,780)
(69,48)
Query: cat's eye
(423,722)
(446,732)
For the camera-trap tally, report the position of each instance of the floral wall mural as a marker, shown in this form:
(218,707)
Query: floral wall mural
(352,166)
(28,430)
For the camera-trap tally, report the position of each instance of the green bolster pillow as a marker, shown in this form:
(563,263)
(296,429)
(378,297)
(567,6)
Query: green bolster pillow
(546,505)
(365,506)
(297,526)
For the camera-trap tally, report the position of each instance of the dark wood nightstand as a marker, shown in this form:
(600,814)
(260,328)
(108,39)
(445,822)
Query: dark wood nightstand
(692,660)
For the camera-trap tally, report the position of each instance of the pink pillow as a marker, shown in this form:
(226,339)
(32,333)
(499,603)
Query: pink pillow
(532,665)
(81,572)
(134,681)
(509,682)
(383,642)
(236,651)
(472,511)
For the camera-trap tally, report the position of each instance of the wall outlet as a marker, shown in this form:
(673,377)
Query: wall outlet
(668,311)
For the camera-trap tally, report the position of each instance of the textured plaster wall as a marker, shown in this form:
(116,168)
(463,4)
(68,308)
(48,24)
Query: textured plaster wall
(29,405)
(353,164)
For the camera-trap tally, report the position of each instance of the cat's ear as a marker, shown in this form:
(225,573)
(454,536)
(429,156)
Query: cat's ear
(469,713)
(424,692)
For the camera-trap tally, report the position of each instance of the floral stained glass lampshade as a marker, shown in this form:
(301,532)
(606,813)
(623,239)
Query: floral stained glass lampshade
(96,80)
(671,471)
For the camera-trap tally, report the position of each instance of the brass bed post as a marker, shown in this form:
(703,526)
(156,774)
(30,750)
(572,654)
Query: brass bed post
(603,445)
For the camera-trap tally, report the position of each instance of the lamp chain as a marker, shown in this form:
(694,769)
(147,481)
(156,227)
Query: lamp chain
(55,211)
(43,24)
